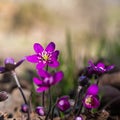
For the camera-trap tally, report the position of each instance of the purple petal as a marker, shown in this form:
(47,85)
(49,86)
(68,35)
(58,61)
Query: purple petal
(50,47)
(55,55)
(43,73)
(101,65)
(58,77)
(38,48)
(9,61)
(2,69)
(93,89)
(40,65)
(32,58)
(54,64)
(20,62)
(96,102)
(64,97)
(42,89)
(37,81)
(91,64)
(108,68)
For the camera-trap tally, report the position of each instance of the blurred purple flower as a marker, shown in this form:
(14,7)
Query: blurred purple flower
(78,118)
(63,103)
(99,69)
(91,101)
(47,80)
(40,110)
(10,65)
(24,108)
(45,56)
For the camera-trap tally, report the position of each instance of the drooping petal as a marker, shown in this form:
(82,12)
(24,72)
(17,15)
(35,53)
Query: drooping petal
(19,62)
(58,77)
(38,48)
(2,69)
(55,55)
(54,64)
(50,47)
(37,81)
(42,89)
(32,58)
(93,89)
(40,65)
(43,73)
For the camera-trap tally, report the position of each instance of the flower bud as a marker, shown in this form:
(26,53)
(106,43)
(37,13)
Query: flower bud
(40,111)
(24,108)
(78,118)
(83,80)
(63,103)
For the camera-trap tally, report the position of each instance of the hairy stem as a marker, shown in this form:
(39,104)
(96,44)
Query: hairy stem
(76,97)
(20,89)
(50,105)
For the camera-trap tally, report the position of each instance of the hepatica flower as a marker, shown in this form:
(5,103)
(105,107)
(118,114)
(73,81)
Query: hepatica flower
(24,108)
(47,80)
(10,65)
(91,98)
(40,110)
(63,103)
(43,57)
(100,68)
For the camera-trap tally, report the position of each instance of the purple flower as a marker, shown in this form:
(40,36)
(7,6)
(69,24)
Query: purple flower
(91,98)
(78,118)
(10,65)
(24,108)
(99,69)
(91,101)
(47,80)
(63,103)
(40,110)
(43,57)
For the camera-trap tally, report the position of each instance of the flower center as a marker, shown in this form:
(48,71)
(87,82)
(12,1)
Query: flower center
(89,100)
(45,56)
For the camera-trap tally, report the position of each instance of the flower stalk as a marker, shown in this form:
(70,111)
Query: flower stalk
(20,89)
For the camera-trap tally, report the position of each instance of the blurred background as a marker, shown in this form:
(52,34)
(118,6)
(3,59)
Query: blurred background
(81,30)
(91,25)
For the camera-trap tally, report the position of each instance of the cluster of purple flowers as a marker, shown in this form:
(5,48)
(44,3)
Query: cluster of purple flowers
(48,57)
